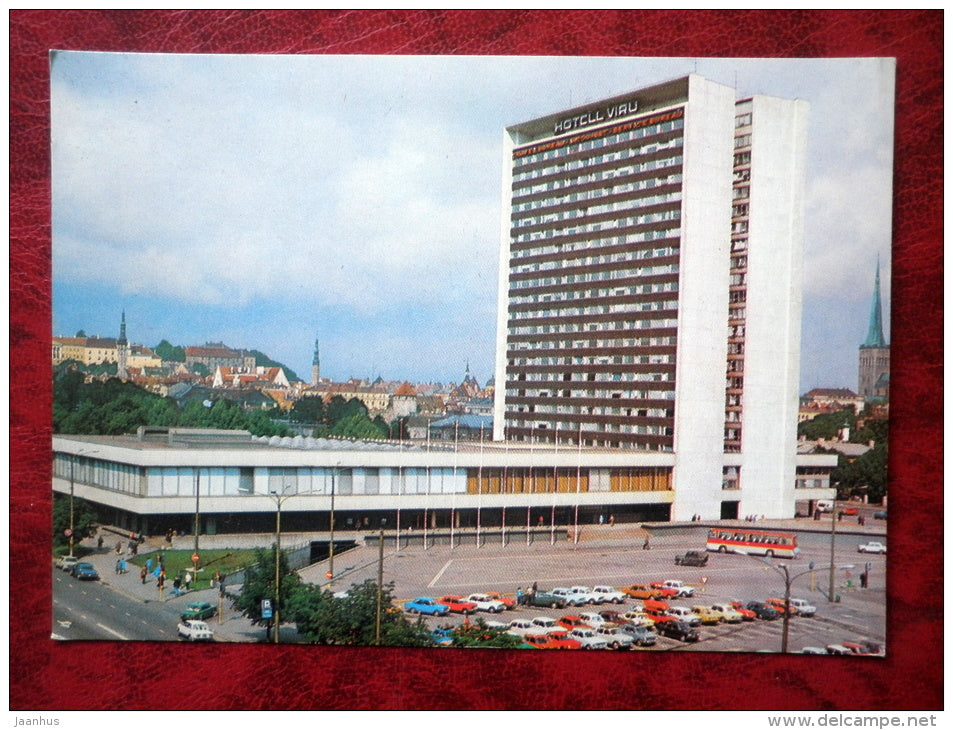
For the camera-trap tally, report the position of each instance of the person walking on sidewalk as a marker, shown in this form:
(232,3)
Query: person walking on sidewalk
(142,576)
(188,580)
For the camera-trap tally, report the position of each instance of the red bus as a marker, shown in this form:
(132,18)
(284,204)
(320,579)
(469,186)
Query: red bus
(753,542)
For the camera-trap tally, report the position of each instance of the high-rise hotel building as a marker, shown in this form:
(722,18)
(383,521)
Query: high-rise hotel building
(650,286)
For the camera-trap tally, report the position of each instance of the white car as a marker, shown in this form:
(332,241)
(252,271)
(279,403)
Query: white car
(582,595)
(67,562)
(728,613)
(521,627)
(545,624)
(195,630)
(485,603)
(872,547)
(609,594)
(615,637)
(803,607)
(588,638)
(684,591)
(683,613)
(593,619)
(563,594)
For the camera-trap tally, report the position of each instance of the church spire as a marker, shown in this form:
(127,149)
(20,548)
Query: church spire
(316,365)
(875,329)
(122,350)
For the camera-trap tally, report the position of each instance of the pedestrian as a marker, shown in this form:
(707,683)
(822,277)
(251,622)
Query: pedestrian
(532,592)
(122,566)
(611,520)
(118,562)
(142,576)
(519,596)
(188,580)
(645,545)
(118,547)
(149,565)
(99,542)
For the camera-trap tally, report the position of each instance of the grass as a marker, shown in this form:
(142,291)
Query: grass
(210,561)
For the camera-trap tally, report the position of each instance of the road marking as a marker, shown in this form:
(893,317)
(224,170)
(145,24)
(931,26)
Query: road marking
(440,573)
(114,633)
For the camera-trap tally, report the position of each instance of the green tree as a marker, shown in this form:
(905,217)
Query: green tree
(352,619)
(169,352)
(359,426)
(308,410)
(866,474)
(827,425)
(85,520)
(260,584)
(262,360)
(339,409)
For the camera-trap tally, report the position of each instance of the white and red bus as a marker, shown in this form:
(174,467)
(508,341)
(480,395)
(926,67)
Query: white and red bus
(753,542)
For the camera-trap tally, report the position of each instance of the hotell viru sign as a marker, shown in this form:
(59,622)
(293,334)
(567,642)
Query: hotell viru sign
(594,116)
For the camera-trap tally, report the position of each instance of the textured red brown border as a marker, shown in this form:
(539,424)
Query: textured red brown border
(142,676)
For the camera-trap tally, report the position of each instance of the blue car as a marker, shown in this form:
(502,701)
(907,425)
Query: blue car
(426,606)
(85,571)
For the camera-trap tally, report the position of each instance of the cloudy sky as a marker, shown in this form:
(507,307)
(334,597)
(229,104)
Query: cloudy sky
(264,201)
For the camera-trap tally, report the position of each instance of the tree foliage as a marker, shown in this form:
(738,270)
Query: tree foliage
(260,584)
(478,634)
(867,474)
(85,519)
(827,425)
(308,410)
(352,619)
(168,352)
(262,360)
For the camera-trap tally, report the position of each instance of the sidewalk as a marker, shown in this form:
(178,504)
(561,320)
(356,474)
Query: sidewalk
(229,627)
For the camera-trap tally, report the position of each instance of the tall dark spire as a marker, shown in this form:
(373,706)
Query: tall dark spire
(316,365)
(875,329)
(122,330)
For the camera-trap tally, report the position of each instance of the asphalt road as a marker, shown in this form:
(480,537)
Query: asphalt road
(89,610)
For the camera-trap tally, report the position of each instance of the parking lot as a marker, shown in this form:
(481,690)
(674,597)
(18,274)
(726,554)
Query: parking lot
(614,556)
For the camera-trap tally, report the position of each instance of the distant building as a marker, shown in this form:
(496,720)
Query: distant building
(873,379)
(316,365)
(217,355)
(828,400)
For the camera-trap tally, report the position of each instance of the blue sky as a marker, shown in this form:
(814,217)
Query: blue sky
(264,201)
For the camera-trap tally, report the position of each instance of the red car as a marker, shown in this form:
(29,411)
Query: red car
(746,613)
(507,601)
(457,604)
(571,622)
(849,511)
(778,605)
(663,592)
(561,640)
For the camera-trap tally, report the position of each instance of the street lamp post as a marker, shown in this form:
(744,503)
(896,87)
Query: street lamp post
(279,498)
(788,580)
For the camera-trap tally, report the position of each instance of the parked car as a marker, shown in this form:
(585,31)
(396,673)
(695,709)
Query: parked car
(706,615)
(546,624)
(508,601)
(664,593)
(683,613)
(485,603)
(588,638)
(66,562)
(442,636)
(522,626)
(641,635)
(194,630)
(583,595)
(609,594)
(778,605)
(638,618)
(570,622)
(763,610)
(880,515)
(728,613)
(612,617)
(863,648)
(198,610)
(458,604)
(848,511)
(872,547)
(84,571)
(803,607)
(813,650)
(837,649)
(594,620)
(535,641)
(561,640)
(746,613)
(677,630)
(550,599)
(615,637)
(641,590)
(696,558)
(427,606)
(682,590)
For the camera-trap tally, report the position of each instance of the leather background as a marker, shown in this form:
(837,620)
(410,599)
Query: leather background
(142,676)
